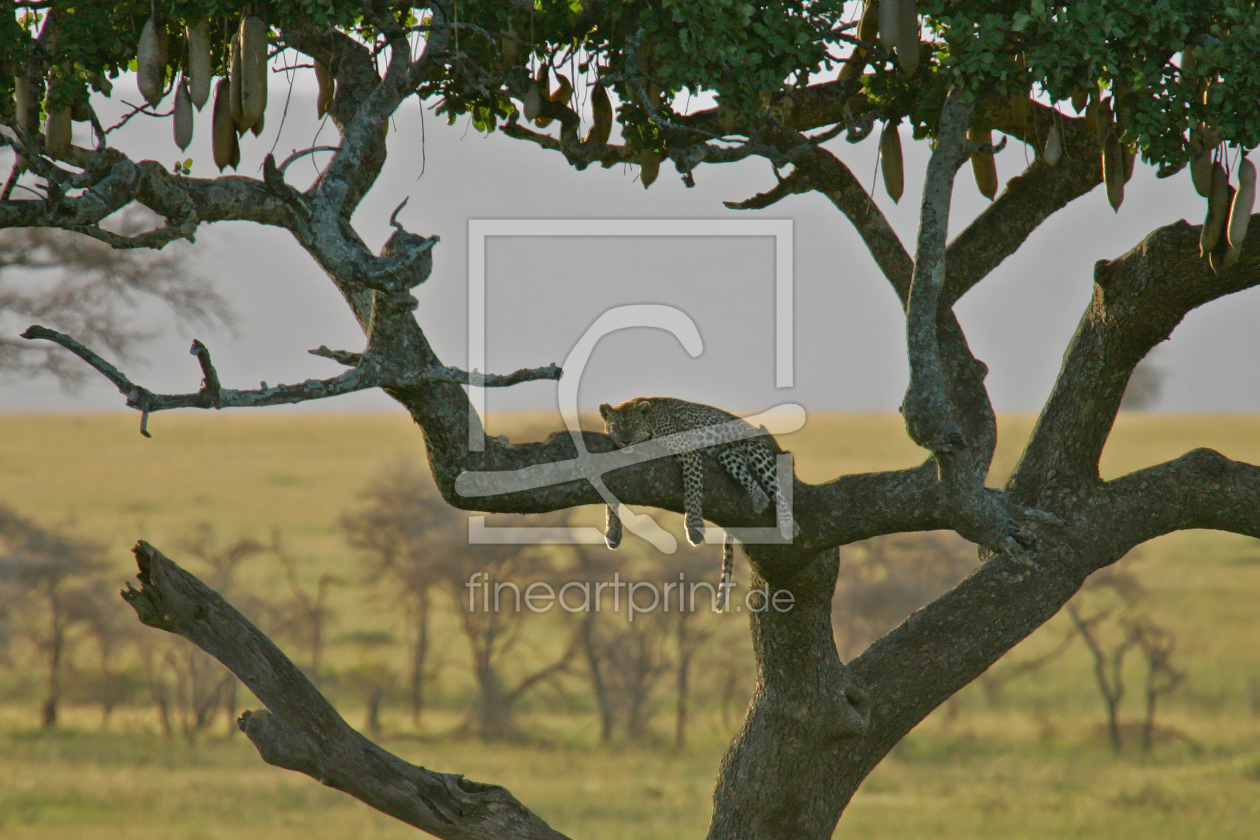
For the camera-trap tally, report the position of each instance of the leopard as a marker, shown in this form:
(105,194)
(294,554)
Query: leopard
(691,430)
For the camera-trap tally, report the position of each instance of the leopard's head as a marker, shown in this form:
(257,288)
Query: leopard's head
(627,423)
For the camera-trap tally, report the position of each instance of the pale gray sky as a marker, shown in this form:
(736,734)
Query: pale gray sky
(543,293)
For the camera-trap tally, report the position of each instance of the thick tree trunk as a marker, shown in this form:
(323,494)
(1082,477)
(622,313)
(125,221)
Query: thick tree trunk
(774,775)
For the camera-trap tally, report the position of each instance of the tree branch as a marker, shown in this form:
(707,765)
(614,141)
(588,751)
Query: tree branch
(1027,200)
(299,730)
(1201,489)
(1138,300)
(931,417)
(370,373)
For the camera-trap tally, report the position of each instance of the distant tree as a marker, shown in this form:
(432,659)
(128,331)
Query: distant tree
(309,615)
(55,594)
(628,661)
(1145,386)
(1108,619)
(495,634)
(87,288)
(1157,645)
(691,630)
(116,679)
(420,545)
(406,532)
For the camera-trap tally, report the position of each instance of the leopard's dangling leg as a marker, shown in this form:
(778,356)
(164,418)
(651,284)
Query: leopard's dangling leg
(693,495)
(728,569)
(763,463)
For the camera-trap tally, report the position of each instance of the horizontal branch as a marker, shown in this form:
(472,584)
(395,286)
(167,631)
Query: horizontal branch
(300,730)
(579,155)
(1201,489)
(369,374)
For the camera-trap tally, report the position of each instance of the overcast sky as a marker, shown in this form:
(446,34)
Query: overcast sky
(544,292)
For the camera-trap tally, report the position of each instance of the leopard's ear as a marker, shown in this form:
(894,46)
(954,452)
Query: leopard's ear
(606,410)
(641,407)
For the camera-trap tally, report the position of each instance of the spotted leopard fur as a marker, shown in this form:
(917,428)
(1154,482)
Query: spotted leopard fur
(690,429)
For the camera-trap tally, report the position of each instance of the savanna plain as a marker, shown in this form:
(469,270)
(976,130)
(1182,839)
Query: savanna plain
(267,503)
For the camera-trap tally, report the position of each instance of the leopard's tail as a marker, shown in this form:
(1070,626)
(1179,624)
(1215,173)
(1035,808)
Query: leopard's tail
(728,568)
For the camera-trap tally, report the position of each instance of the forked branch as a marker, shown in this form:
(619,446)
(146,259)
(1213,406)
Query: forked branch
(1139,299)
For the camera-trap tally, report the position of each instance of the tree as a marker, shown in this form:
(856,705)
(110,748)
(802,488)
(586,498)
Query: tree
(406,532)
(1110,633)
(58,579)
(420,544)
(1177,82)
(96,292)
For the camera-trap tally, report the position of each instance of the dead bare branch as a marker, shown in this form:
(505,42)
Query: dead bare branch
(300,730)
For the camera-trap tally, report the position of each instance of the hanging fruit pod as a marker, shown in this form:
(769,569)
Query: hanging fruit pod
(327,88)
(601,115)
(227,151)
(253,45)
(1054,145)
(868,31)
(510,48)
(889,23)
(562,93)
(543,83)
(908,36)
(983,167)
(1203,141)
(1218,209)
(236,82)
(183,116)
(531,102)
(1240,211)
(890,161)
(151,61)
(649,168)
(57,133)
(1113,170)
(199,72)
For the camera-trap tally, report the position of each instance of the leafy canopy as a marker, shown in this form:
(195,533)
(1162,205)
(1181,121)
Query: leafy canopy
(1166,65)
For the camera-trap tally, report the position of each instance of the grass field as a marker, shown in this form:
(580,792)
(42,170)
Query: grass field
(1037,767)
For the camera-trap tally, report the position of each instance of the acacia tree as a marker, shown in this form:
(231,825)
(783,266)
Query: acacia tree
(1175,81)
